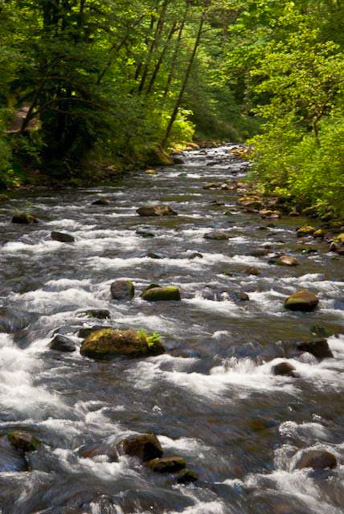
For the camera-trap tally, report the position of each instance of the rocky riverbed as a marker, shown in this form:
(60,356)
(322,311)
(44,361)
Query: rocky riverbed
(171,344)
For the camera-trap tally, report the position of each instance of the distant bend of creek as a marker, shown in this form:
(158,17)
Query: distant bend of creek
(212,397)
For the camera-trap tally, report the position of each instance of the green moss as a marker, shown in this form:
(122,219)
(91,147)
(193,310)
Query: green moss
(161,294)
(109,343)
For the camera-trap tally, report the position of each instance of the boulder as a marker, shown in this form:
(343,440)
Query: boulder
(62,237)
(156,210)
(22,218)
(319,348)
(186,476)
(161,294)
(283,369)
(243,297)
(287,260)
(145,447)
(340,238)
(317,460)
(110,343)
(150,172)
(62,344)
(101,201)
(166,464)
(216,236)
(306,230)
(303,301)
(96,313)
(23,441)
(178,160)
(123,290)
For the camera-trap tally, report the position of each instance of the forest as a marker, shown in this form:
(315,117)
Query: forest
(90,87)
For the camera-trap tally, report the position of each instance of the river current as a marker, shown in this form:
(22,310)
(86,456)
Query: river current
(212,398)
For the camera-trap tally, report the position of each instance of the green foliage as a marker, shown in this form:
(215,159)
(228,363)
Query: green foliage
(150,339)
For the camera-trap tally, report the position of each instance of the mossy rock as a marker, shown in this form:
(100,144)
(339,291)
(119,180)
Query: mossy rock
(161,294)
(303,301)
(340,239)
(145,447)
(306,230)
(96,313)
(319,234)
(122,290)
(167,465)
(156,156)
(4,199)
(22,218)
(110,343)
(23,441)
(186,476)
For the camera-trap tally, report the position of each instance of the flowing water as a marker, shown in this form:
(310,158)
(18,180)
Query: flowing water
(212,398)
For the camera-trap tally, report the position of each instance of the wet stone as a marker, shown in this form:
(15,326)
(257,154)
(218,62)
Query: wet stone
(62,343)
(156,210)
(23,441)
(216,236)
(122,290)
(317,460)
(161,294)
(319,348)
(284,369)
(62,237)
(167,464)
(145,447)
(22,218)
(101,202)
(186,476)
(109,343)
(96,313)
(303,301)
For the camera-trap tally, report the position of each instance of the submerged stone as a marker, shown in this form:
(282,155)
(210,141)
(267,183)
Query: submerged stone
(110,343)
(303,301)
(145,447)
(161,294)
(216,236)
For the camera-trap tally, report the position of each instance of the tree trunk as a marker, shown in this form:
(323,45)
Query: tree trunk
(176,53)
(161,59)
(185,80)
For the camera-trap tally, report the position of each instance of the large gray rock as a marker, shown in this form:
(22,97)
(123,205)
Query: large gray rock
(62,237)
